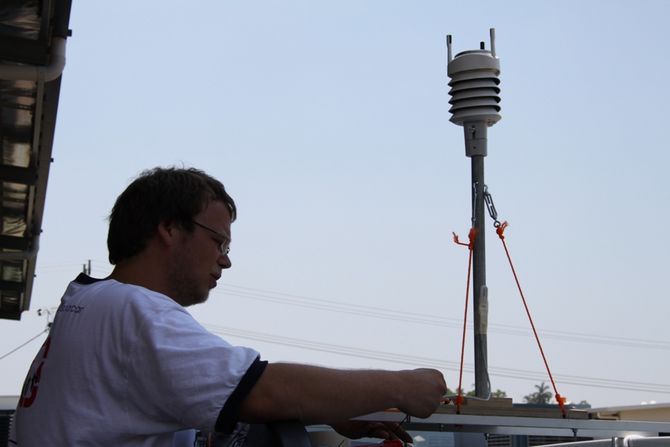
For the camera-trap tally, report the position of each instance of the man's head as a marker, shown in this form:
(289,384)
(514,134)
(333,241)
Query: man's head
(189,212)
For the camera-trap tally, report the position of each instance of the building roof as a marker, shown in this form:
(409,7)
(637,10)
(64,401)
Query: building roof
(32,42)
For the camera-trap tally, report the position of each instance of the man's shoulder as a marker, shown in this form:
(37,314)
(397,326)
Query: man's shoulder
(111,295)
(124,309)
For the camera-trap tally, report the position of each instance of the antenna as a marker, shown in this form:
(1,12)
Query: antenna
(475,105)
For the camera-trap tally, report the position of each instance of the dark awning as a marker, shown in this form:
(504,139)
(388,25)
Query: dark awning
(32,42)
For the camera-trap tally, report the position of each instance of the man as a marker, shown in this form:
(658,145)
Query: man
(125,364)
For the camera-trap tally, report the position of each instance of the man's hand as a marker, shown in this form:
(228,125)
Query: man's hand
(423,392)
(369,429)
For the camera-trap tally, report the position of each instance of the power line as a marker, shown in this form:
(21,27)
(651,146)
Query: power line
(594,382)
(426,319)
(405,316)
(24,344)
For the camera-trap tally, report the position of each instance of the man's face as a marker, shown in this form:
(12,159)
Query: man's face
(198,258)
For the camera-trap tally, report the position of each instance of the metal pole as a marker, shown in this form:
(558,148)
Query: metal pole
(475,106)
(479,289)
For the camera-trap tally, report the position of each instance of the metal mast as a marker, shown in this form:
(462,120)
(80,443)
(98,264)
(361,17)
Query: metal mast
(475,105)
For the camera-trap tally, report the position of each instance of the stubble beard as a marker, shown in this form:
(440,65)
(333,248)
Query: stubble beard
(184,285)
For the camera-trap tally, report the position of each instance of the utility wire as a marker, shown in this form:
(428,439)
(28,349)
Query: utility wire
(24,344)
(413,317)
(395,315)
(594,382)
(426,319)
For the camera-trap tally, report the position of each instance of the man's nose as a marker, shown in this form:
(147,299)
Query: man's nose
(224,261)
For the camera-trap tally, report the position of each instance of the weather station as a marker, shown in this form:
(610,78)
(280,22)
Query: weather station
(475,421)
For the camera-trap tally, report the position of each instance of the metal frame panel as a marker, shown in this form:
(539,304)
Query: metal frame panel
(512,425)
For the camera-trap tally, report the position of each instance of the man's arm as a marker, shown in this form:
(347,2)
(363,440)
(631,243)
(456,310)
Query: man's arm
(314,395)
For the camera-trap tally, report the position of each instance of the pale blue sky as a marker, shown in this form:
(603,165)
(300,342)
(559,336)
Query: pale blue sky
(328,122)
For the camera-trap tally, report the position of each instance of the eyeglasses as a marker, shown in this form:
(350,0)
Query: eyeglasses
(224,247)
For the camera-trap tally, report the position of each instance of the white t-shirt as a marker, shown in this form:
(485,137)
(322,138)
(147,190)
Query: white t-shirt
(126,366)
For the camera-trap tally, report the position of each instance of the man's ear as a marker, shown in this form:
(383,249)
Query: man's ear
(167,232)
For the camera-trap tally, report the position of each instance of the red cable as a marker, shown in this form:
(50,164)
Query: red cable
(560,399)
(470,245)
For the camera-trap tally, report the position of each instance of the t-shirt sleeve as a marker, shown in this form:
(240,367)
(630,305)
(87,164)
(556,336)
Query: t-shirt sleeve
(182,374)
(228,417)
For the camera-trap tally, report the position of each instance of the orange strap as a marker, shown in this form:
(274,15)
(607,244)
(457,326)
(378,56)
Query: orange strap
(471,246)
(500,230)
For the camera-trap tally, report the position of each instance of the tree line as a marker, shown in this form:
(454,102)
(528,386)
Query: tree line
(541,396)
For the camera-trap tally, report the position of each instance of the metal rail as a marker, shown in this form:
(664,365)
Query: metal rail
(514,425)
